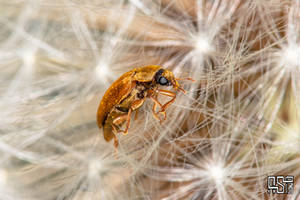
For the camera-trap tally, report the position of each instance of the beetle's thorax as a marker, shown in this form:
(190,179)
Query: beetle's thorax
(145,85)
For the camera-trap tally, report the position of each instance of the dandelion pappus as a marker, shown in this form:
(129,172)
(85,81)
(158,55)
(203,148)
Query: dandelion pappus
(129,92)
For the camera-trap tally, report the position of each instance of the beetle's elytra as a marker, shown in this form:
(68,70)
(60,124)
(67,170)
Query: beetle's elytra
(129,92)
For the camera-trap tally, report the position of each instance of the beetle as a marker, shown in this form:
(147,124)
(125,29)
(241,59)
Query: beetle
(129,92)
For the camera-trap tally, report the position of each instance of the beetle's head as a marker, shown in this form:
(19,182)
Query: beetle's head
(166,78)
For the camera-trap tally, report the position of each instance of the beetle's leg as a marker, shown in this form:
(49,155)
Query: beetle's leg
(154,113)
(116,122)
(154,108)
(135,105)
(136,114)
(127,117)
(156,102)
(169,94)
(119,120)
(116,141)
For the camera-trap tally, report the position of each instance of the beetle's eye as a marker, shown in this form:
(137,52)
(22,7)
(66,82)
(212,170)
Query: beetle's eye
(163,81)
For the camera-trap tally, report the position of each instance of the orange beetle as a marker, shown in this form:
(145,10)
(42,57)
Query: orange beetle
(129,92)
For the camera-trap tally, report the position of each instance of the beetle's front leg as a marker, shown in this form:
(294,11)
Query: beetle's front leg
(169,94)
(156,102)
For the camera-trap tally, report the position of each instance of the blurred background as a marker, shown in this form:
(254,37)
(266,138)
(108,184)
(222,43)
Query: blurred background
(237,124)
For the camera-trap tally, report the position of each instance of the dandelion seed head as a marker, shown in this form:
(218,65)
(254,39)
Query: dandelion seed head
(102,71)
(94,167)
(203,44)
(225,45)
(216,172)
(290,141)
(28,56)
(290,56)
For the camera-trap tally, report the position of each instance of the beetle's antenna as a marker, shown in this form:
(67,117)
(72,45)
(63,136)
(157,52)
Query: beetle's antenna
(182,90)
(185,79)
